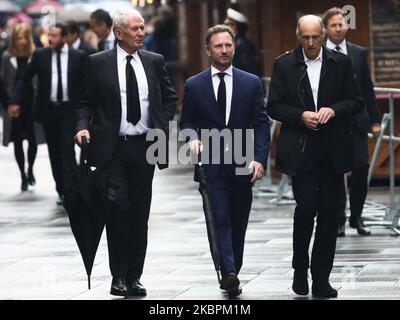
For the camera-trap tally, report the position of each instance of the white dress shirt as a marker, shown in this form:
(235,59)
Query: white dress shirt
(228,78)
(314,73)
(144,124)
(342,45)
(64,74)
(109,41)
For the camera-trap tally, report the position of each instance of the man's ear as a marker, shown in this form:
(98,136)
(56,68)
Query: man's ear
(118,34)
(207,51)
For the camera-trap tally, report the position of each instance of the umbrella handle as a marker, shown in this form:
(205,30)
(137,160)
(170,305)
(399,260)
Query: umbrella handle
(84,152)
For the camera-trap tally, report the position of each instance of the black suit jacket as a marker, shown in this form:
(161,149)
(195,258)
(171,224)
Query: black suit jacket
(41,65)
(370,115)
(87,48)
(99,109)
(290,95)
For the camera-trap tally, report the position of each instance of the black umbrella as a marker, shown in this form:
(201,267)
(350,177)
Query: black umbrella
(86,210)
(209,215)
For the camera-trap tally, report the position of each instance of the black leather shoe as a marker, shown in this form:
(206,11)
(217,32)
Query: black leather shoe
(300,283)
(341,231)
(323,290)
(60,200)
(31,178)
(231,283)
(24,184)
(119,287)
(358,224)
(136,289)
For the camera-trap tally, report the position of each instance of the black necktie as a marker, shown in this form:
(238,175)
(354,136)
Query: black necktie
(222,95)
(133,113)
(59,82)
(338,48)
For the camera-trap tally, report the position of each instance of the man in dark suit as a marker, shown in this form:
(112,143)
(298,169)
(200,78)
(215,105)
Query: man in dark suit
(74,38)
(336,27)
(101,23)
(226,98)
(60,70)
(314,94)
(127,92)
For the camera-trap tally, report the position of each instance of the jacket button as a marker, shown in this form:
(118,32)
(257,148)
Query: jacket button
(301,140)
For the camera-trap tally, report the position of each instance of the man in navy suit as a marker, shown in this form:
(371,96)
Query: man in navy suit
(224,98)
(369,118)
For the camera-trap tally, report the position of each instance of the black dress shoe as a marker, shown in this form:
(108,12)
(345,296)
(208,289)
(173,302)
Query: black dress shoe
(136,289)
(323,290)
(231,283)
(358,224)
(24,184)
(31,178)
(119,287)
(300,283)
(341,231)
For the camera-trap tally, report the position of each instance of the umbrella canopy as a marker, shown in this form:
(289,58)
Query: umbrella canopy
(209,216)
(9,7)
(38,7)
(86,211)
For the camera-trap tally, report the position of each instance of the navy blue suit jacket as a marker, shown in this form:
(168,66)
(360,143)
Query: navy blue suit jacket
(248,111)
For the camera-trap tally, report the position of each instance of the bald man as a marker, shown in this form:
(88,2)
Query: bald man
(314,94)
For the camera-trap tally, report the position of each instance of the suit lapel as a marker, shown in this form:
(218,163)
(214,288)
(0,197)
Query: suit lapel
(149,70)
(70,71)
(112,55)
(235,84)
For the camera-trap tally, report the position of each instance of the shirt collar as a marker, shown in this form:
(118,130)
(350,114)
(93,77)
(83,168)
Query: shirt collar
(316,59)
(228,71)
(332,46)
(110,37)
(121,55)
(76,44)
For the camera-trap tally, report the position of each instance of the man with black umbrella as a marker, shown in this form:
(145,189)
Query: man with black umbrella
(224,98)
(126,93)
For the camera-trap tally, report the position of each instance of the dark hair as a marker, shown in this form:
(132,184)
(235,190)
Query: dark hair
(63,26)
(330,13)
(73,27)
(101,15)
(219,28)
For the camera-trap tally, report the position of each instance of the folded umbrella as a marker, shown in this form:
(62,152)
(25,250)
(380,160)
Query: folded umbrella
(86,210)
(209,217)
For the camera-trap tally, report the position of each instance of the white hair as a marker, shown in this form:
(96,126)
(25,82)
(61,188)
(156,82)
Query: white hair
(120,19)
(309,16)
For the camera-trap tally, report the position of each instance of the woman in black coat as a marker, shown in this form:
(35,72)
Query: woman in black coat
(19,126)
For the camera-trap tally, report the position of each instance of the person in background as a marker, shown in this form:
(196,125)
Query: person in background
(369,119)
(19,125)
(245,57)
(101,23)
(74,39)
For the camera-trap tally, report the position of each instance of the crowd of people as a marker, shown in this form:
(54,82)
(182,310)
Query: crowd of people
(321,93)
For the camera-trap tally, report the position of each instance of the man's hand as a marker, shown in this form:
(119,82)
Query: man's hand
(257,169)
(14,110)
(325,114)
(196,146)
(310,119)
(80,134)
(376,130)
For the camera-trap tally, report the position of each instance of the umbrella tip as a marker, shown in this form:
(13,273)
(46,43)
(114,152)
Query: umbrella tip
(89,282)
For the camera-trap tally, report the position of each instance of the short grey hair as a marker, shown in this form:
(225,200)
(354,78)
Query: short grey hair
(318,18)
(120,19)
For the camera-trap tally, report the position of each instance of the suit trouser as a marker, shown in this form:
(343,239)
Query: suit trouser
(316,188)
(231,203)
(129,182)
(358,187)
(58,127)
